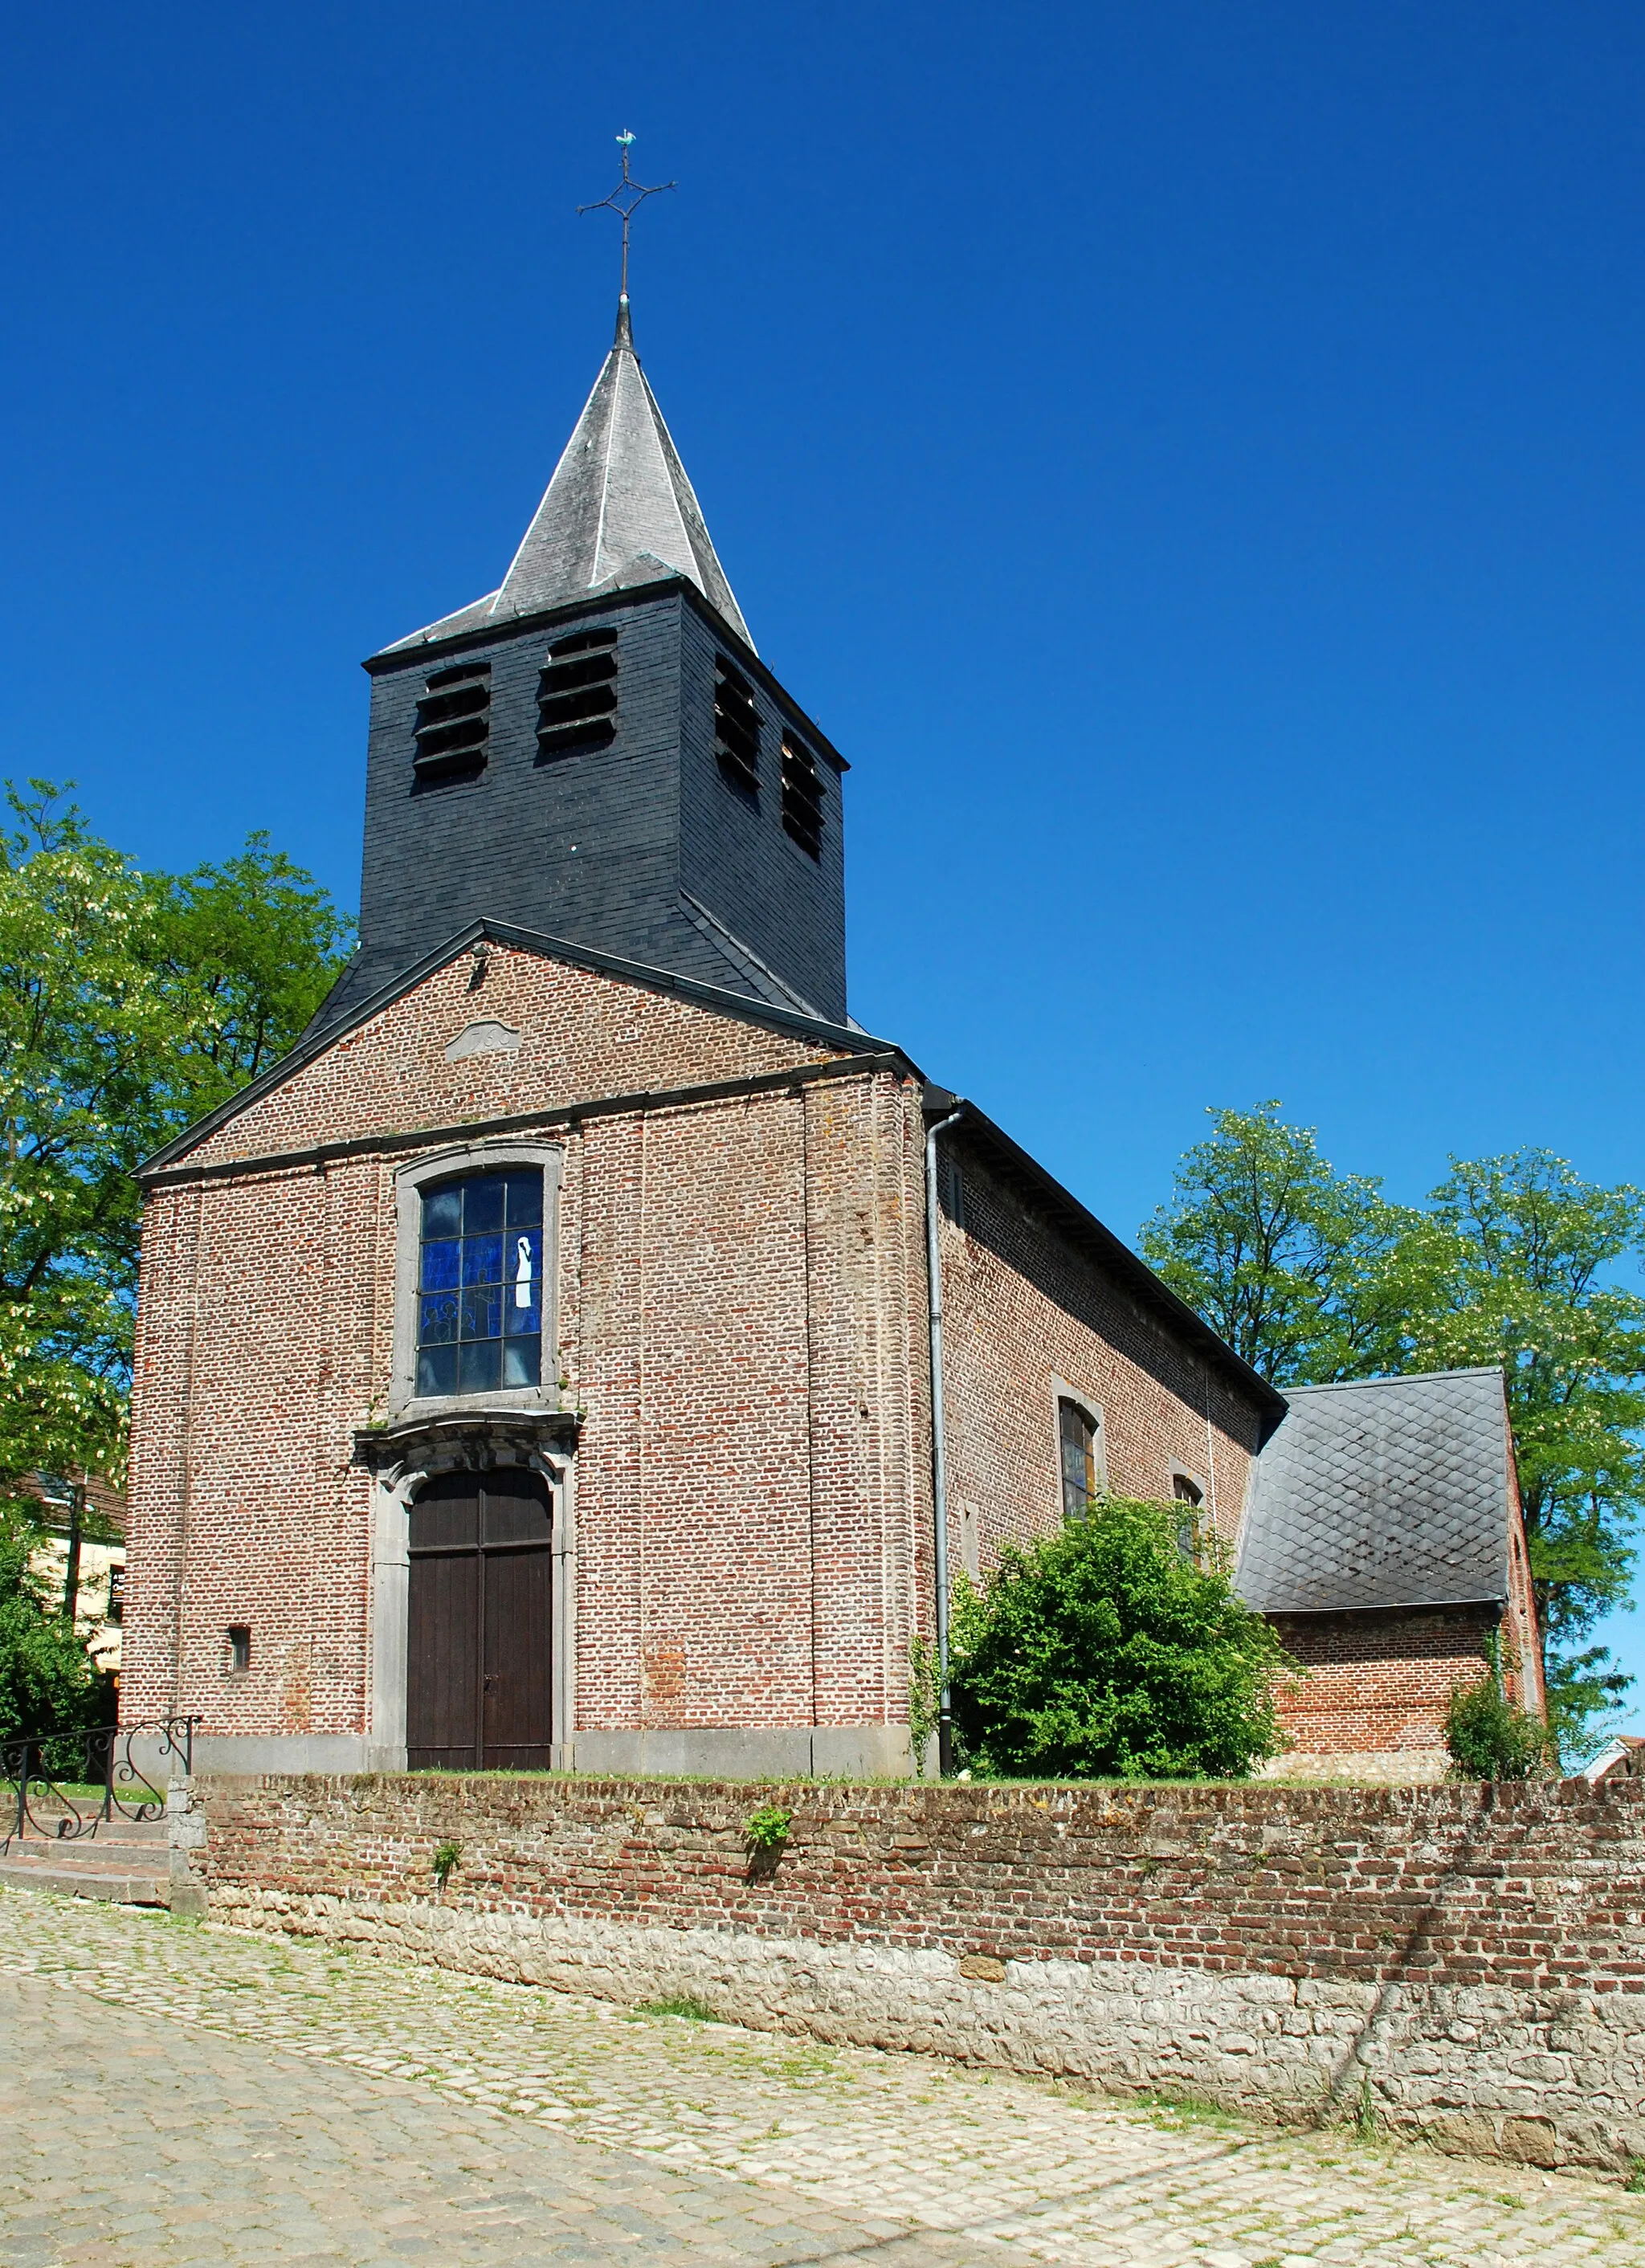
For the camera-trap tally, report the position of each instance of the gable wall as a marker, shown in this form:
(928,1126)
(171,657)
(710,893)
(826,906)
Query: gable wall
(584,1036)
(741,1317)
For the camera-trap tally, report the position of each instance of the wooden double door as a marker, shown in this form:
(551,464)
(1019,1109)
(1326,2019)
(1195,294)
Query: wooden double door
(479,1645)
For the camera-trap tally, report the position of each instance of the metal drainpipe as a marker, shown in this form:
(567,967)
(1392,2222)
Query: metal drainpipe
(939,1445)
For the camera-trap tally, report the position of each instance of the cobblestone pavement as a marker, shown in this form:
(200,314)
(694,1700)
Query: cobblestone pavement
(178,2093)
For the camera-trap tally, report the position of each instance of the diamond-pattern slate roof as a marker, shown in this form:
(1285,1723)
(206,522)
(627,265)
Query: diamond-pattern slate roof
(1388,1491)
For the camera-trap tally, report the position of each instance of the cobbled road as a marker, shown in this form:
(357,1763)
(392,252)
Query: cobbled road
(177,2093)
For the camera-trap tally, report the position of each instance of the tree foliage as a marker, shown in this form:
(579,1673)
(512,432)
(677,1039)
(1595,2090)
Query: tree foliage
(1100,1652)
(1288,1260)
(1314,1275)
(130,1004)
(48,1681)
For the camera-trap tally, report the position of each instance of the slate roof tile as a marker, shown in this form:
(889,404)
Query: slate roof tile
(1387,1491)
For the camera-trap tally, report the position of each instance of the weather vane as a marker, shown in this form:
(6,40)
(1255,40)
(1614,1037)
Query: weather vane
(626,199)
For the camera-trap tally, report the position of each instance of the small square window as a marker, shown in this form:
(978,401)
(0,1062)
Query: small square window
(238,1648)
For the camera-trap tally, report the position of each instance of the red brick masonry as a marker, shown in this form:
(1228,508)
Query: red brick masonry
(1478,1954)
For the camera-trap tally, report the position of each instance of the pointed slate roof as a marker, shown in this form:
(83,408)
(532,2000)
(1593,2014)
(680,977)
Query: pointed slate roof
(619,513)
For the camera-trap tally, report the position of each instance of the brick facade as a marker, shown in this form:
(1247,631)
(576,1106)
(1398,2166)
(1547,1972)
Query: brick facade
(741,1320)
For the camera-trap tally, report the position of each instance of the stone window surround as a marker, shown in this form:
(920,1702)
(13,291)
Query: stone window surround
(1093,1413)
(409,1183)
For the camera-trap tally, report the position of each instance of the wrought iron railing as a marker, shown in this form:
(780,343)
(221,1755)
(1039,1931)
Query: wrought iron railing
(65,1785)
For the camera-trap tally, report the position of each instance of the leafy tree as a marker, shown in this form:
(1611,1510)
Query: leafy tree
(1289,1261)
(1515,1265)
(48,1682)
(130,1004)
(1313,1275)
(1100,1652)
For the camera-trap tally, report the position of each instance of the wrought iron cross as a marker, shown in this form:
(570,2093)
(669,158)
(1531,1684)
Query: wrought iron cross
(626,199)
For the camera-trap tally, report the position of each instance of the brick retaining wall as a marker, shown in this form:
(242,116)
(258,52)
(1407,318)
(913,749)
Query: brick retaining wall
(1469,1961)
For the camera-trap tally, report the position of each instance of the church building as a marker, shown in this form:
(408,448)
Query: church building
(535,1369)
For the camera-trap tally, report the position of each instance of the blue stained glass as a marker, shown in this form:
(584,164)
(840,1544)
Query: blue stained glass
(522,1362)
(477,1366)
(483,1205)
(436,1370)
(482,1259)
(439,1267)
(442,1210)
(525,1199)
(480,1308)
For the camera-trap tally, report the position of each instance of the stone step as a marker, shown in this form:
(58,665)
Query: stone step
(116,1883)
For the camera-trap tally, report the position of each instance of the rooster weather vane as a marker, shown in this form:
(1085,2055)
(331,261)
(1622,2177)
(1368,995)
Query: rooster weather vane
(626,199)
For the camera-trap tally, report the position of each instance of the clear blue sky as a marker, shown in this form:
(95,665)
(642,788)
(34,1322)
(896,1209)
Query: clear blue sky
(1189,456)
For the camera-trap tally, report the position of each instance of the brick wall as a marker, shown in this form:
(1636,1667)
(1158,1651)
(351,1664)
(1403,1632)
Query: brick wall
(1379,1684)
(1024,1310)
(736,1280)
(1473,1957)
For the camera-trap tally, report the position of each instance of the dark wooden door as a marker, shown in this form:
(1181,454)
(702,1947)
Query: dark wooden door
(479,1645)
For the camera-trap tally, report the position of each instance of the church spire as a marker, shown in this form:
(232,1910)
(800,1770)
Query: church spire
(619,511)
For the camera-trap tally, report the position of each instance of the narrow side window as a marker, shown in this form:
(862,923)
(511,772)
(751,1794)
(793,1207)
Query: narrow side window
(1081,1477)
(1190,1496)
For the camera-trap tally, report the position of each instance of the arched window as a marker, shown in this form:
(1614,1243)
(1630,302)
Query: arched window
(479,1323)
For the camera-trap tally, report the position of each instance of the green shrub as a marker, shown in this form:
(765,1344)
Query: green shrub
(1487,1737)
(1102,1652)
(767,1828)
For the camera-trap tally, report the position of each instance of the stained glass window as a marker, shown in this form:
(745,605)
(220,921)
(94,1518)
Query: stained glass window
(480,1288)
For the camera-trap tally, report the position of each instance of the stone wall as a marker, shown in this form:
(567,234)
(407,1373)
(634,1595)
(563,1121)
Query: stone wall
(1466,1964)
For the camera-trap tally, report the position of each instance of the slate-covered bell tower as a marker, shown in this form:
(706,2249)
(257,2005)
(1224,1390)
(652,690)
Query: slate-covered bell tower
(595,752)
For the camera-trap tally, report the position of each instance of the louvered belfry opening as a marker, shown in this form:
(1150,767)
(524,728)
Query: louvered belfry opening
(802,797)
(577,695)
(454,719)
(737,730)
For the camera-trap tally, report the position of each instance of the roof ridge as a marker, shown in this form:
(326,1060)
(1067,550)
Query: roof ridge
(1398,1378)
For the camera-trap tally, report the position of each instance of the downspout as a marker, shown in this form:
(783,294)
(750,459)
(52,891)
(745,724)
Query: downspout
(939,1444)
